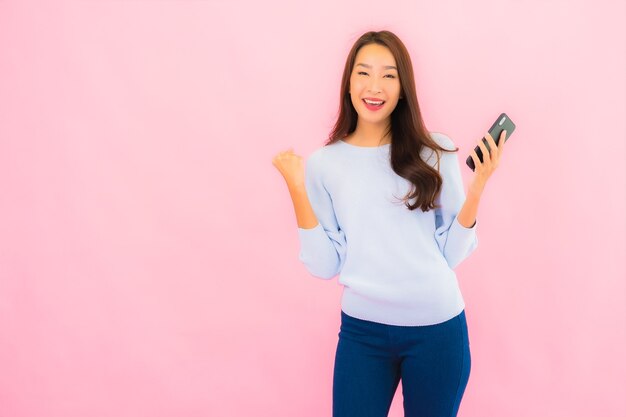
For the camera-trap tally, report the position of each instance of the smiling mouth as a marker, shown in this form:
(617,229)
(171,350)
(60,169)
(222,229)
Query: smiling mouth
(374,103)
(373,107)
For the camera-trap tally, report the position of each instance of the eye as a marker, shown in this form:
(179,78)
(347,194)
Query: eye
(363,72)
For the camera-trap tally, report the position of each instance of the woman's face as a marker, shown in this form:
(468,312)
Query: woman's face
(374,76)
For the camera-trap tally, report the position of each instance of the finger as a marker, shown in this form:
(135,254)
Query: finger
(486,155)
(503,139)
(489,139)
(493,148)
(477,164)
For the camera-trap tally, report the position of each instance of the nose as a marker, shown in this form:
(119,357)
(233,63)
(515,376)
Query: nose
(373,87)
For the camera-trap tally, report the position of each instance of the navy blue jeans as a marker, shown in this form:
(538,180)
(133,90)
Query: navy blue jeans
(433,362)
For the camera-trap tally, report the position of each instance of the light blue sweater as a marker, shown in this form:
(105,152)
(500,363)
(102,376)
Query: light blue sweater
(396,265)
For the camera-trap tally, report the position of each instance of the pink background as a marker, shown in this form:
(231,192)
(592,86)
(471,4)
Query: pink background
(148,248)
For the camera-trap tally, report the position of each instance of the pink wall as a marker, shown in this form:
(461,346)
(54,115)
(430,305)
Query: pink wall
(148,247)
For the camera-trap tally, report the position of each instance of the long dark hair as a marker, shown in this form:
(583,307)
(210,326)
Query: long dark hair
(409,135)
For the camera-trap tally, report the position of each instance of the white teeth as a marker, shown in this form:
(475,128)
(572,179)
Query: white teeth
(375,103)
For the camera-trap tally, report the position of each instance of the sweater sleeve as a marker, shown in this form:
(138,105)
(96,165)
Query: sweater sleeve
(323,247)
(455,241)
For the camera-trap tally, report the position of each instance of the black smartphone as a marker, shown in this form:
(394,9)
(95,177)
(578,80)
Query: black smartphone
(503,122)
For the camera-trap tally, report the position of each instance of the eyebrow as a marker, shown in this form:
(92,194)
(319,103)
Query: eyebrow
(385,67)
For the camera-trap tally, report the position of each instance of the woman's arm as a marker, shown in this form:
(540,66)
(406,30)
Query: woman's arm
(304,212)
(291,166)
(467,214)
(322,243)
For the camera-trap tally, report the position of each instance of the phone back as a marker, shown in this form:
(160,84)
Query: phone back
(503,122)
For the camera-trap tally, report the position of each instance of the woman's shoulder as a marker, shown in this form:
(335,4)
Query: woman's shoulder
(443,140)
(321,159)
(317,154)
(434,156)
(324,152)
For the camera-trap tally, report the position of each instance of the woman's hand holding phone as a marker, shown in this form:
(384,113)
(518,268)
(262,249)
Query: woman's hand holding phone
(484,169)
(491,145)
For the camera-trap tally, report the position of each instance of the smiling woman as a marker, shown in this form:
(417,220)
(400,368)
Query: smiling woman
(379,68)
(379,204)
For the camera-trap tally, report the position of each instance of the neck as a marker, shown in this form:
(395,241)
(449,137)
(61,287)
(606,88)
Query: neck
(369,134)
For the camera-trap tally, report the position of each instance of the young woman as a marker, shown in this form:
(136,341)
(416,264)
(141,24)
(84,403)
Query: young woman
(383,205)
